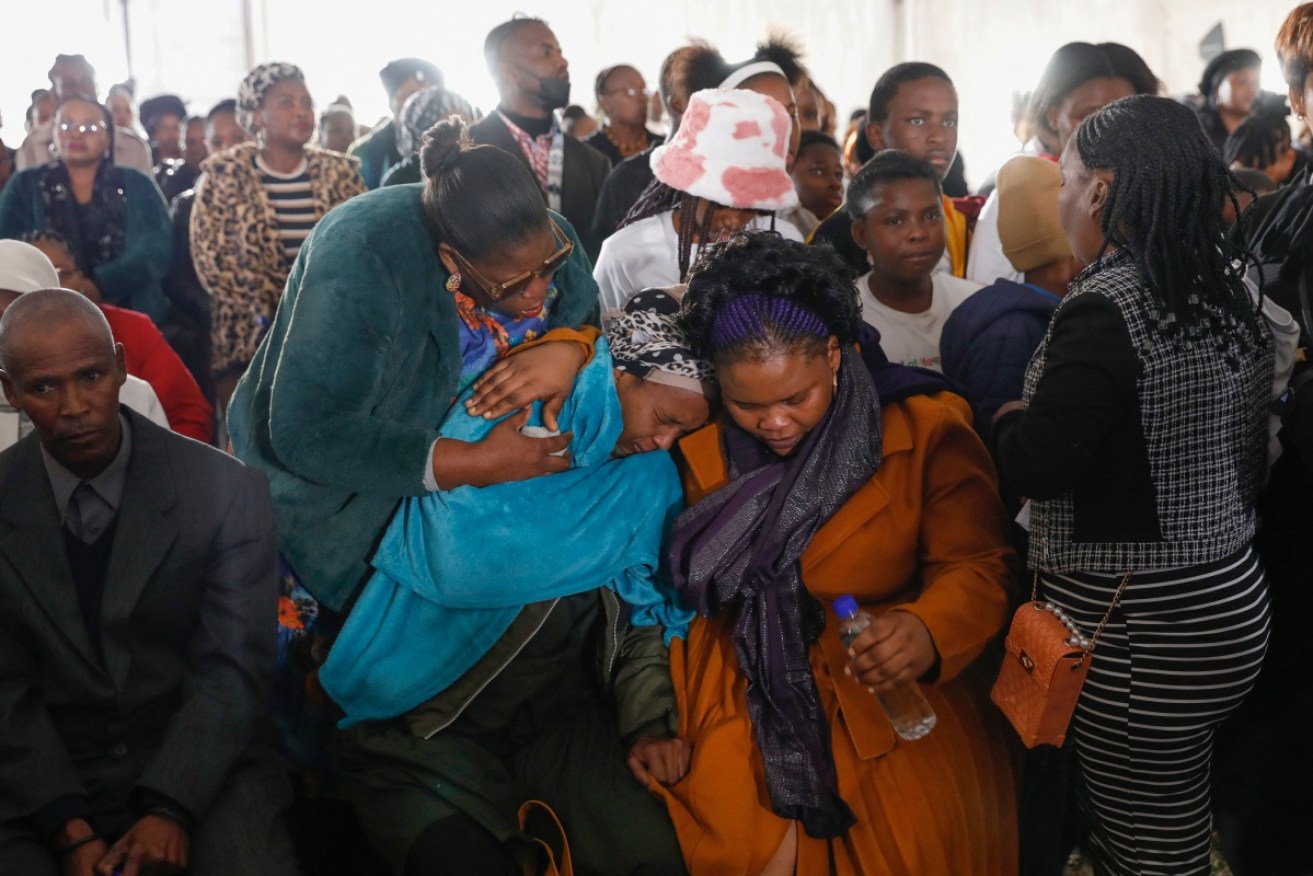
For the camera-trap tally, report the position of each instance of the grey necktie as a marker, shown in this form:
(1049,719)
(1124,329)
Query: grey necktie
(88,514)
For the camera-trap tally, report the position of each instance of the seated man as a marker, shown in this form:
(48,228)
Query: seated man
(137,617)
(23,268)
(146,352)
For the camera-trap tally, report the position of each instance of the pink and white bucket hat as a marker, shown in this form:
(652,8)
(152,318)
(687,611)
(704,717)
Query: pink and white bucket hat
(731,148)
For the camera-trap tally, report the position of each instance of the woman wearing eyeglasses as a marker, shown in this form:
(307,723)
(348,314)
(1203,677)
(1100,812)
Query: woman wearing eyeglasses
(405,296)
(114,218)
(622,95)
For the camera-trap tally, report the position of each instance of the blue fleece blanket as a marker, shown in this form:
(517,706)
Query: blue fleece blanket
(455,567)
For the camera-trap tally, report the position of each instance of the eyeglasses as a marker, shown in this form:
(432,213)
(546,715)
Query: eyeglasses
(645,93)
(93,128)
(517,284)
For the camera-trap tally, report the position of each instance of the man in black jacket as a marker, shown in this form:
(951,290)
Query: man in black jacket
(138,592)
(533,80)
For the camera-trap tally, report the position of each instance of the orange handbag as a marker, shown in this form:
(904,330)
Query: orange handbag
(1045,663)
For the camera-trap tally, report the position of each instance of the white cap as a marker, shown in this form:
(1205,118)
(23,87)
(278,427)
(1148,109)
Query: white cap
(24,268)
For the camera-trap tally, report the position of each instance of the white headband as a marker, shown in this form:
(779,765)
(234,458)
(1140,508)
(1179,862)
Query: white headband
(747,71)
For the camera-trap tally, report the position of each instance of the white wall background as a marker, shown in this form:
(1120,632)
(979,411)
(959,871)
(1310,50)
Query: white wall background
(990,47)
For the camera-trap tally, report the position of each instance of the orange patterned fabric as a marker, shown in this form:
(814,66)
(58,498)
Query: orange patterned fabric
(927,533)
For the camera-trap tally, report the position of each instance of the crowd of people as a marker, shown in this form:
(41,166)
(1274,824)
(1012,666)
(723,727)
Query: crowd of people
(474,493)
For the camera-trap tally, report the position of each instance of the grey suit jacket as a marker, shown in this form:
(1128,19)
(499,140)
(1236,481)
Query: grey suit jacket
(188,622)
(585,171)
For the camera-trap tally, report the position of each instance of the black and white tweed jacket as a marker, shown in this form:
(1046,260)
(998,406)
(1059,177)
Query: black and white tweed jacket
(1204,421)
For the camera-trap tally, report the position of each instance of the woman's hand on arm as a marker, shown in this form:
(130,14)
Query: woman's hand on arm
(504,455)
(896,648)
(665,760)
(543,373)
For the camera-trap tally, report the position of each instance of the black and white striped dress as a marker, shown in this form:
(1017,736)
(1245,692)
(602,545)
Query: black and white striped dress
(1186,414)
(1143,728)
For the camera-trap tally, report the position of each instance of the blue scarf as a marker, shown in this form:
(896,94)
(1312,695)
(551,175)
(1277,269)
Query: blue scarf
(456,566)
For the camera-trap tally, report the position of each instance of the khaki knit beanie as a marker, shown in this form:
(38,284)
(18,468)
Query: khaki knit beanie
(1028,222)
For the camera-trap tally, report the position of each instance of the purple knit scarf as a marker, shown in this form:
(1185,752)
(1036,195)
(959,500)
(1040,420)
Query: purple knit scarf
(740,549)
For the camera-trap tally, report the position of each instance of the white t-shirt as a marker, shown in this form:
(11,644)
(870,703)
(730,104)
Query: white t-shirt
(986,262)
(913,338)
(645,255)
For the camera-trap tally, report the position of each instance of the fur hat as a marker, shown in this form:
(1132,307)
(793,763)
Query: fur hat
(24,268)
(165,104)
(1028,223)
(402,70)
(731,149)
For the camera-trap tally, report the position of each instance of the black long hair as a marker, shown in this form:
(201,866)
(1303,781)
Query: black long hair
(1164,208)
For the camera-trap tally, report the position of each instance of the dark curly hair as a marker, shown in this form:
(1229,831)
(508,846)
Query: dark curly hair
(785,296)
(1164,207)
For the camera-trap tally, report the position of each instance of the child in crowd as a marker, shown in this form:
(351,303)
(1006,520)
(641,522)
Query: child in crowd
(897,212)
(913,109)
(818,177)
(987,342)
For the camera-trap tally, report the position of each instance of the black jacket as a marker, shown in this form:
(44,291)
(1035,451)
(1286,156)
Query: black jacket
(585,169)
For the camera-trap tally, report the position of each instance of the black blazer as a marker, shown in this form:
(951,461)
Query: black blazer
(585,171)
(189,623)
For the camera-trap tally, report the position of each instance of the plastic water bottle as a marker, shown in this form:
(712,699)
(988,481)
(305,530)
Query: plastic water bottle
(905,705)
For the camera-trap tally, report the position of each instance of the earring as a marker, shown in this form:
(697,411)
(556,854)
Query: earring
(453,282)
(836,380)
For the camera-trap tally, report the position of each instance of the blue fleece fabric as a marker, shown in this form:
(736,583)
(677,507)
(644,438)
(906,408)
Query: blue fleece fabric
(455,567)
(987,343)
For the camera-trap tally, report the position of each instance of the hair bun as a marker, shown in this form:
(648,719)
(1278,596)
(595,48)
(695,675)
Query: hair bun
(442,145)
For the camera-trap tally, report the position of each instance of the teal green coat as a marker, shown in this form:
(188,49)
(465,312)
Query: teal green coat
(346,392)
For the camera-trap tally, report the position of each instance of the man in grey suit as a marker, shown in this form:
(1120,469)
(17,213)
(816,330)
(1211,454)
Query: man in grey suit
(137,621)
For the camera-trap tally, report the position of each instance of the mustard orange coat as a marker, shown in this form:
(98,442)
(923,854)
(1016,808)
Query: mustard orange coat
(928,534)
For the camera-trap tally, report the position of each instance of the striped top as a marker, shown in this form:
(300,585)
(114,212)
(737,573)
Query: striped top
(293,201)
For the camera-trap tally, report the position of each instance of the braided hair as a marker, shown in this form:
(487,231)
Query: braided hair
(1164,208)
(660,198)
(758,295)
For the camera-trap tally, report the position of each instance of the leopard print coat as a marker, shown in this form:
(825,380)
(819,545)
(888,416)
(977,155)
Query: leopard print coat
(235,246)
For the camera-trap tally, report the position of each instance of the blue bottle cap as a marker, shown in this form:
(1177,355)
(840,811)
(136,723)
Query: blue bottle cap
(845,606)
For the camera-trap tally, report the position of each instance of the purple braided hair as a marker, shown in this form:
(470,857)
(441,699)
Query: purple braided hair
(754,317)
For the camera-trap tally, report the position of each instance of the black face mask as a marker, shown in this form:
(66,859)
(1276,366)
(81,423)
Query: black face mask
(552,93)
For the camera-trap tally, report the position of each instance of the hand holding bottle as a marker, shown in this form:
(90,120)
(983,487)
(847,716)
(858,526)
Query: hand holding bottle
(889,653)
(895,649)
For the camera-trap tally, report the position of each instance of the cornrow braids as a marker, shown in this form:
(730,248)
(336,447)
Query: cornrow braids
(1165,209)
(759,294)
(755,317)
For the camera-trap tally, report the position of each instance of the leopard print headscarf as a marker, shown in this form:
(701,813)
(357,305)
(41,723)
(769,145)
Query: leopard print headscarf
(250,94)
(646,343)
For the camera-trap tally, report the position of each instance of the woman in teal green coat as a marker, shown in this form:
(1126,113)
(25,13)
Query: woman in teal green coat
(342,402)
